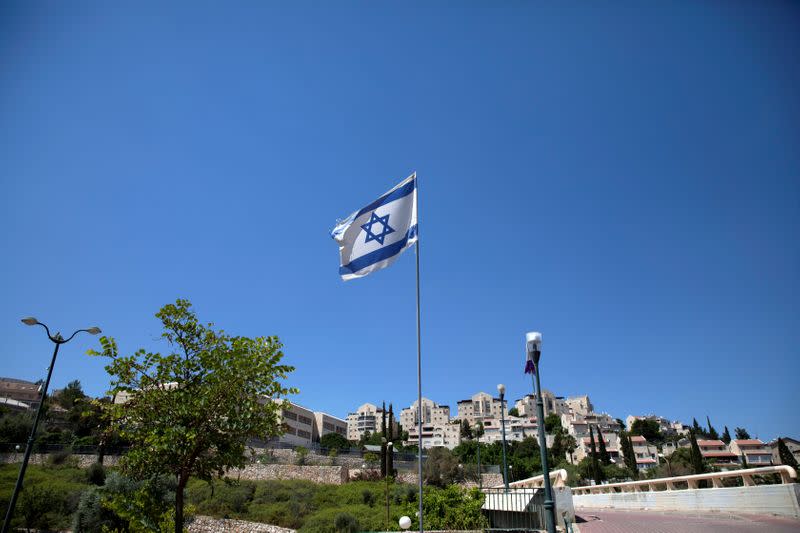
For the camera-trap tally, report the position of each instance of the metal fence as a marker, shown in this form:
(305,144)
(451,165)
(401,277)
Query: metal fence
(514,509)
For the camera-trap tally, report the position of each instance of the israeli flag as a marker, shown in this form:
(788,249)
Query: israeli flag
(373,237)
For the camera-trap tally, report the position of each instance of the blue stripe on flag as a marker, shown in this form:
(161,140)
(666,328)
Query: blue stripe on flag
(378,255)
(405,190)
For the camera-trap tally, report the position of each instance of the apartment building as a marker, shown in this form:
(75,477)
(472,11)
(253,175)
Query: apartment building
(526,406)
(21,392)
(480,407)
(646,453)
(717,453)
(434,435)
(433,414)
(755,451)
(517,428)
(367,418)
(580,405)
(577,424)
(792,444)
(611,441)
(325,423)
(665,426)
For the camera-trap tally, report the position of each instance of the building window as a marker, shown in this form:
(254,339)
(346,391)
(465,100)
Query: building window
(290,415)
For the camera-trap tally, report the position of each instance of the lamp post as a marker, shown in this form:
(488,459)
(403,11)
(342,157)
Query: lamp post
(386,466)
(502,390)
(667,460)
(533,342)
(58,340)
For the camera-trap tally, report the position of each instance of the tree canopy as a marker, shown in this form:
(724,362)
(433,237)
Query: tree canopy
(192,410)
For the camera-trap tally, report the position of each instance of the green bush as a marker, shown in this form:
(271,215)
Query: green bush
(60,488)
(59,458)
(96,474)
(230,499)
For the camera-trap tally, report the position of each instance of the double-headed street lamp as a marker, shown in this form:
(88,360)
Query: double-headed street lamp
(58,340)
(533,346)
(502,390)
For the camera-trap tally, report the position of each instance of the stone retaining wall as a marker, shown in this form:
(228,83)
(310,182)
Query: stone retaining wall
(489,480)
(82,461)
(335,475)
(206,524)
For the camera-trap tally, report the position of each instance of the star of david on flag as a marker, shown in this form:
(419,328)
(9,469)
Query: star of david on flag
(373,237)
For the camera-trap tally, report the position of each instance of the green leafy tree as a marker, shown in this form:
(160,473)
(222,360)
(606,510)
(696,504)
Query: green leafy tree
(191,411)
(741,434)
(551,422)
(697,457)
(334,441)
(712,433)
(441,468)
(726,436)
(563,446)
(649,429)
(465,430)
(67,396)
(605,458)
(787,458)
(698,430)
(513,412)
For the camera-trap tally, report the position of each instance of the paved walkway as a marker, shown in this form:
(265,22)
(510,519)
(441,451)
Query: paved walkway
(657,522)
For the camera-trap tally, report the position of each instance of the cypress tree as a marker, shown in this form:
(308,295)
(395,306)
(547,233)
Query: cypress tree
(712,433)
(726,436)
(787,458)
(697,457)
(744,460)
(383,440)
(595,465)
(604,457)
(696,427)
(629,454)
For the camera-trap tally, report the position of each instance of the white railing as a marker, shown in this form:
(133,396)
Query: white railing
(787,474)
(558,478)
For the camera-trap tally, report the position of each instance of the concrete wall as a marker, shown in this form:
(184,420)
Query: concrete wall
(761,499)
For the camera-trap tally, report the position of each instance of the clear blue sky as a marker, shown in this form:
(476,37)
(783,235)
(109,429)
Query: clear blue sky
(625,179)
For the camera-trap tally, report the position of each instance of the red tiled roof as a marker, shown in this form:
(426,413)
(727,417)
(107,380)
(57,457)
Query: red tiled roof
(710,443)
(748,442)
(638,438)
(645,461)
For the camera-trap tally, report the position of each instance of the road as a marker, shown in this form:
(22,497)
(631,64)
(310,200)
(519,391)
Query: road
(658,522)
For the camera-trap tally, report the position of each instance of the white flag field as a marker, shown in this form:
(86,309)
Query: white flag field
(372,238)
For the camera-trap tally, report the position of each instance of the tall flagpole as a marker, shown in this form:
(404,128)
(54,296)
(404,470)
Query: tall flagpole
(419,374)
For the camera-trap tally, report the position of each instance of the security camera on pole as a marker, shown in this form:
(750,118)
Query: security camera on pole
(533,345)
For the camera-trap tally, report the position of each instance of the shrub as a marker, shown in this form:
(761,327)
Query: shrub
(59,458)
(301,453)
(96,474)
(345,523)
(93,516)
(368,497)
